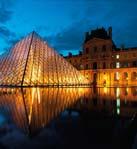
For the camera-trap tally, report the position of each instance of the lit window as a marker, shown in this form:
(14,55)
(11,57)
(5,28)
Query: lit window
(117,56)
(126,75)
(117,76)
(117,65)
(81,66)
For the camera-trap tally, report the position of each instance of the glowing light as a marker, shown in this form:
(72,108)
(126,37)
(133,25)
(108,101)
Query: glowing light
(33,63)
(118,111)
(117,76)
(38,93)
(117,56)
(117,92)
(118,102)
(117,65)
(105,90)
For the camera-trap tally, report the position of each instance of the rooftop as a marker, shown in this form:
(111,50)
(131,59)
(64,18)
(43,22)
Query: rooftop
(99,33)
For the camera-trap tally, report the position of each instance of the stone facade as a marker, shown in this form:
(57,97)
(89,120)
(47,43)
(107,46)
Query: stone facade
(103,63)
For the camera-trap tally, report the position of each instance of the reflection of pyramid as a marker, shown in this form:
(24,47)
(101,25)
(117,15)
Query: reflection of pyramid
(33,108)
(31,62)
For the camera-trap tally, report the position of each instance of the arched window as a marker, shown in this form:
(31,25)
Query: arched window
(125,91)
(125,77)
(116,76)
(133,76)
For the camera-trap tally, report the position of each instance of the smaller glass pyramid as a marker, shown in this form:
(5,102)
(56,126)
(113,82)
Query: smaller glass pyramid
(31,62)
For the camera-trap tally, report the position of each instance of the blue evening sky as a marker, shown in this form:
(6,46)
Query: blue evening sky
(63,23)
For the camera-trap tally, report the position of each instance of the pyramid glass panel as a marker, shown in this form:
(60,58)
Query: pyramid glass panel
(31,62)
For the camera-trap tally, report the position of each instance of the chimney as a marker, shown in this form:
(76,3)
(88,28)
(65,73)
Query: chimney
(110,32)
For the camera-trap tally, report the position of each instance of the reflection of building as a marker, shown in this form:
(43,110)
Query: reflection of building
(111,101)
(33,108)
(31,62)
(102,63)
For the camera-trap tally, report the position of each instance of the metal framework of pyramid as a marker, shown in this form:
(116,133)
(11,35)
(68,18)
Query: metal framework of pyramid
(31,62)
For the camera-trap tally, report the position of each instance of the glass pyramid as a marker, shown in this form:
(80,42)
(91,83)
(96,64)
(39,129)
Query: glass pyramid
(31,62)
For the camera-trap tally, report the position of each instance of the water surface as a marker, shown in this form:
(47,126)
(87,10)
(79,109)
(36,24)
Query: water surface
(68,117)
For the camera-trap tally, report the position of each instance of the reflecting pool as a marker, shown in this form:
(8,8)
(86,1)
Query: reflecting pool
(68,117)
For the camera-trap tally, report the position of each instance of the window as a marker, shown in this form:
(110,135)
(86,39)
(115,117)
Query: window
(87,50)
(112,65)
(133,76)
(95,49)
(134,54)
(81,66)
(86,66)
(125,76)
(134,91)
(116,76)
(134,63)
(125,64)
(95,65)
(117,65)
(104,65)
(104,48)
(125,55)
(117,56)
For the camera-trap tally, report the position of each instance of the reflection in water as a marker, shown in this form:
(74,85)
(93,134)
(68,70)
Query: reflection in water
(33,108)
(114,101)
(118,100)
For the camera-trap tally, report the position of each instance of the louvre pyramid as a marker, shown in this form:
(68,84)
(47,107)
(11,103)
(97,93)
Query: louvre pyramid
(31,62)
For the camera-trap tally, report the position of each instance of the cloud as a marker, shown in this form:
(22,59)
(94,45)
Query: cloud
(71,37)
(5,12)
(8,37)
(6,33)
(5,15)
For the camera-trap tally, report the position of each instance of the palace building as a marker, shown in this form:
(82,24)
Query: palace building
(103,63)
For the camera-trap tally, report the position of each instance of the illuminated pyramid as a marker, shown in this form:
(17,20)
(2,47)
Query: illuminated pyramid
(31,62)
